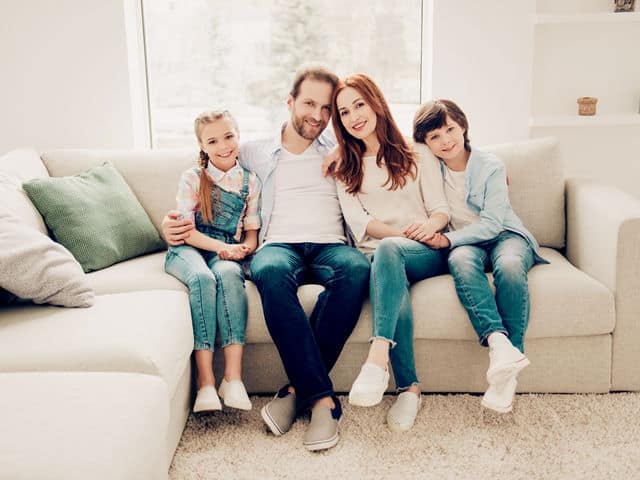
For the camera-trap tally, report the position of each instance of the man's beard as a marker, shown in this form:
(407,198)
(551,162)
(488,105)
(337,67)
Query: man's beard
(299,127)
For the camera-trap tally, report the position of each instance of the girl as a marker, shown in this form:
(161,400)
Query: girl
(222,199)
(484,233)
(392,200)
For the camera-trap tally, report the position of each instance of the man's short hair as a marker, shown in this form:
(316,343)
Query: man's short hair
(314,72)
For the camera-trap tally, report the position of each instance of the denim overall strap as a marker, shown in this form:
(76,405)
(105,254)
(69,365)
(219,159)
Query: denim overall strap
(227,212)
(245,185)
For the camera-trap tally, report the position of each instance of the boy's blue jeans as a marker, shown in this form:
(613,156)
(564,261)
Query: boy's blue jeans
(511,257)
(216,295)
(310,347)
(397,263)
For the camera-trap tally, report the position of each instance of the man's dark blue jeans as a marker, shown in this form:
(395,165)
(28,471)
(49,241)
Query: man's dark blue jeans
(309,347)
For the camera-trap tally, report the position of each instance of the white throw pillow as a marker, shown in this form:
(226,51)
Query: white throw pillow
(34,267)
(17,167)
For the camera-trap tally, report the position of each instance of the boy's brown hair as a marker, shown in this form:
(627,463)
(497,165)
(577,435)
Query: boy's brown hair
(433,115)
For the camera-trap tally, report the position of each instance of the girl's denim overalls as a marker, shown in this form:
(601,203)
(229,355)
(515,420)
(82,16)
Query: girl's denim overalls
(216,287)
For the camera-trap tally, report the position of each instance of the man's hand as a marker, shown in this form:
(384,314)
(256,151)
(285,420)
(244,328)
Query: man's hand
(234,252)
(438,241)
(419,231)
(331,163)
(174,229)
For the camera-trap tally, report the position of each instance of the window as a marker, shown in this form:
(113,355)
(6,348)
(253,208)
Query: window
(242,55)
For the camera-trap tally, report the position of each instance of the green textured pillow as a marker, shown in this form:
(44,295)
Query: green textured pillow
(95,215)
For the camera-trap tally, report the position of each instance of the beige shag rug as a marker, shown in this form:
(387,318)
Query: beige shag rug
(545,437)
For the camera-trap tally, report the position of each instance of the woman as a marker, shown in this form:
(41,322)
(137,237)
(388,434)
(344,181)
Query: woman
(393,201)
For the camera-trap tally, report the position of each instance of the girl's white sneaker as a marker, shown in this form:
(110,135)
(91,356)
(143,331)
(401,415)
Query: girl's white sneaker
(235,395)
(207,400)
(403,412)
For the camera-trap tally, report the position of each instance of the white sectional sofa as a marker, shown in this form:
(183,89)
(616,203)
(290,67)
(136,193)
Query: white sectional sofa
(104,392)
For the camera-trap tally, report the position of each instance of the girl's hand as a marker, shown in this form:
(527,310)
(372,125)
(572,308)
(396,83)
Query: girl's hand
(234,252)
(242,250)
(419,231)
(331,163)
(438,241)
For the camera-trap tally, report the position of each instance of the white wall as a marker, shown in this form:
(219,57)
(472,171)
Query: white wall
(482,55)
(65,79)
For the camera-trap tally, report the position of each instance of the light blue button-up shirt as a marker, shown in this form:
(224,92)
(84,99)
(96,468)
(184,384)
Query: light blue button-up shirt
(261,157)
(487,195)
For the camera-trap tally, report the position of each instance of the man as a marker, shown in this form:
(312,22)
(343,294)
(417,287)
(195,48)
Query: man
(302,239)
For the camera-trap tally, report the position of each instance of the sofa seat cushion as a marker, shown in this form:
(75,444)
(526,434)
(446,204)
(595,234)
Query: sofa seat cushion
(140,273)
(137,332)
(256,327)
(565,302)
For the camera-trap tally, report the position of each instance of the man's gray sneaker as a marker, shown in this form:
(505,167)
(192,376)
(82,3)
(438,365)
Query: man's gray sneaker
(280,413)
(322,432)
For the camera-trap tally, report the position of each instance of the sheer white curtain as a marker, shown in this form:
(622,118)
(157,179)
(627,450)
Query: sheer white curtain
(242,55)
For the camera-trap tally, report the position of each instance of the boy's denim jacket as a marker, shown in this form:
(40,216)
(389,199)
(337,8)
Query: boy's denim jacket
(487,195)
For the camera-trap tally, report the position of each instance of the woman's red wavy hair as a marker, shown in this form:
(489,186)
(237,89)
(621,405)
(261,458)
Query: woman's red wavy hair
(399,158)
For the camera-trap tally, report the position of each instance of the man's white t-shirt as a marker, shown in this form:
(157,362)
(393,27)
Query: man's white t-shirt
(306,207)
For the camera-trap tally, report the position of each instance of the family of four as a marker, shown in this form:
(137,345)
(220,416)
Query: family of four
(293,204)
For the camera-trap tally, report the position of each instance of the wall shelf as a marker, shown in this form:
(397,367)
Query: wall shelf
(606,17)
(585,121)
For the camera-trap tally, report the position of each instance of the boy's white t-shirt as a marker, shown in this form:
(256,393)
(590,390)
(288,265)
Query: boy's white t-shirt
(454,190)
(306,207)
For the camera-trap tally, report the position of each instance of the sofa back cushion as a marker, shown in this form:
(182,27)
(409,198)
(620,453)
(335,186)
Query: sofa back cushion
(535,174)
(152,175)
(536,187)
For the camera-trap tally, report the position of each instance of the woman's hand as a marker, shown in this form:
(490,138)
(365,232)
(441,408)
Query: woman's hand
(331,163)
(420,231)
(175,229)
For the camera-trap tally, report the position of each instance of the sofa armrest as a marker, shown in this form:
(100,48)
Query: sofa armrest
(97,425)
(603,240)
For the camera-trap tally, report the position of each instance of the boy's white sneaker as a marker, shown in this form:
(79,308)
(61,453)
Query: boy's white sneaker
(207,400)
(499,397)
(505,362)
(235,395)
(403,412)
(369,386)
